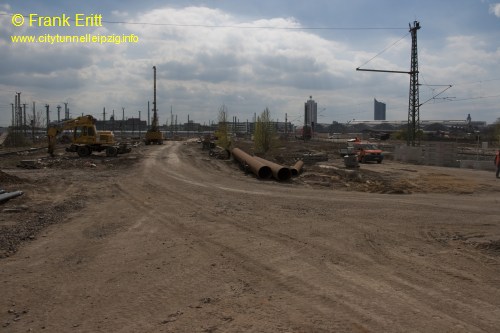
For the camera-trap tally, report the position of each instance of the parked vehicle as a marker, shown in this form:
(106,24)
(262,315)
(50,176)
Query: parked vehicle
(367,152)
(364,151)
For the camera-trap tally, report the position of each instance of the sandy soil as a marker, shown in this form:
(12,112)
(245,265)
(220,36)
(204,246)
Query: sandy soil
(167,239)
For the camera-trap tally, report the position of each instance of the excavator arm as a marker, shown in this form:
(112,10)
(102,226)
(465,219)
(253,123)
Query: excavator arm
(51,137)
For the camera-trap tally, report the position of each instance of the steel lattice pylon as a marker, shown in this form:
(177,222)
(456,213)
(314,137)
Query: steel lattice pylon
(414,100)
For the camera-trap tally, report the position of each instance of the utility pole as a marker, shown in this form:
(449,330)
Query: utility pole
(48,115)
(286,125)
(16,119)
(149,117)
(24,119)
(123,120)
(413,100)
(14,114)
(103,118)
(18,106)
(139,124)
(33,124)
(19,112)
(58,113)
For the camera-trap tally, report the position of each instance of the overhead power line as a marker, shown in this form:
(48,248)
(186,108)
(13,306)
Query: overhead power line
(472,98)
(232,26)
(247,27)
(388,47)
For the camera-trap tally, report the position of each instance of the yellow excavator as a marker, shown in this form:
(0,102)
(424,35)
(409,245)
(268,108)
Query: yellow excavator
(85,138)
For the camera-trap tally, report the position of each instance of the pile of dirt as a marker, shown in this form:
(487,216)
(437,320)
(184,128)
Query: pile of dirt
(22,219)
(31,223)
(340,178)
(73,162)
(363,180)
(6,178)
(492,247)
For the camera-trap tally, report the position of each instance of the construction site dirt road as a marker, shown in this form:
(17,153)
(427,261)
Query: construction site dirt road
(166,239)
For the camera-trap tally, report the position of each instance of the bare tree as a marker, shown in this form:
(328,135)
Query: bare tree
(37,124)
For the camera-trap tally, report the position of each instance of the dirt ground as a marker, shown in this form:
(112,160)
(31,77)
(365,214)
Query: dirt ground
(168,239)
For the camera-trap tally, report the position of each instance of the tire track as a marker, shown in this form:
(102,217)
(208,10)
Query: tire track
(350,285)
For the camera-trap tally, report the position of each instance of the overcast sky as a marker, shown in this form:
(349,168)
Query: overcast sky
(249,55)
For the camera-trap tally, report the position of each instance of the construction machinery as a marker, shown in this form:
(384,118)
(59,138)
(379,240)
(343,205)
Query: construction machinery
(362,152)
(366,152)
(84,137)
(154,135)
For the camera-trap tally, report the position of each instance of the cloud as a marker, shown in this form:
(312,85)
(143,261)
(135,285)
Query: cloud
(204,57)
(495,9)
(219,56)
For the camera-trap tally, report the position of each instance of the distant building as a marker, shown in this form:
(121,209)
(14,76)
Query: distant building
(463,124)
(310,113)
(191,126)
(379,110)
(130,124)
(249,127)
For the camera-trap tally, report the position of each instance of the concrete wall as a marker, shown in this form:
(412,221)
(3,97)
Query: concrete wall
(408,154)
(438,154)
(441,154)
(479,165)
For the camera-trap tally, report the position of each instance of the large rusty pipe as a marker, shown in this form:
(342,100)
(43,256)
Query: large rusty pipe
(297,168)
(258,168)
(279,172)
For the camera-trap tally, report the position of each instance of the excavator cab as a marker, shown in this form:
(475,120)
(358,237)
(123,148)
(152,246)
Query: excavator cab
(86,134)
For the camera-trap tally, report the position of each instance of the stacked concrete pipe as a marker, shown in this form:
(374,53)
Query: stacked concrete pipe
(259,169)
